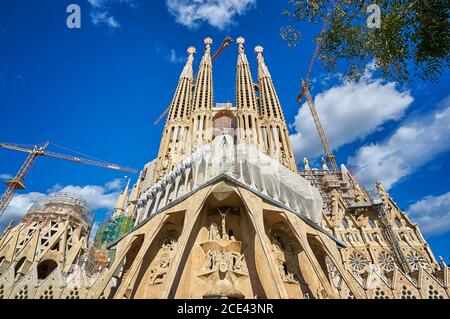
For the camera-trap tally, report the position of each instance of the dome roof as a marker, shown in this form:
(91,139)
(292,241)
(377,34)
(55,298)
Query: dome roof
(68,203)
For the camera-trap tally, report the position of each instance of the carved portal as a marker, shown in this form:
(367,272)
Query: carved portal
(224,261)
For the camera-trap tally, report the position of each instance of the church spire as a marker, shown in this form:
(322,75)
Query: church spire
(247,111)
(274,130)
(203,100)
(134,197)
(122,202)
(175,141)
(180,106)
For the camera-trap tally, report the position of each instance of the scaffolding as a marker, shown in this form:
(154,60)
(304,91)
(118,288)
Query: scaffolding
(108,233)
(77,205)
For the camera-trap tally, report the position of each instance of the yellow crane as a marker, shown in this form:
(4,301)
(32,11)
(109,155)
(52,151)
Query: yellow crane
(17,183)
(225,44)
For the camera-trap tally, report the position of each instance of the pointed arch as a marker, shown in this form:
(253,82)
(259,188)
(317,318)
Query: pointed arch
(45,268)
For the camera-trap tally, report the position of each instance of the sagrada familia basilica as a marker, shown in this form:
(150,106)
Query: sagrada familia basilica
(224,212)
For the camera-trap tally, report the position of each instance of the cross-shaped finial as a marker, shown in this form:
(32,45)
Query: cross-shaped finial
(191,50)
(259,49)
(208,41)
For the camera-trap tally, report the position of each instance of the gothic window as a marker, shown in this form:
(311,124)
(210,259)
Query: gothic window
(45,268)
(358,262)
(386,261)
(406,293)
(372,223)
(380,294)
(23,293)
(398,222)
(18,266)
(416,260)
(75,294)
(48,294)
(433,293)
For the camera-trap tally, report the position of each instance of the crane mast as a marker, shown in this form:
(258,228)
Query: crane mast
(306,90)
(17,183)
(323,137)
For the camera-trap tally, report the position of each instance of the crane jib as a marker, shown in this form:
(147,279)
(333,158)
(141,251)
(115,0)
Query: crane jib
(36,151)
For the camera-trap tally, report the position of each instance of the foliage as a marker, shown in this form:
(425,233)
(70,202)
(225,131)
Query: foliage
(413,38)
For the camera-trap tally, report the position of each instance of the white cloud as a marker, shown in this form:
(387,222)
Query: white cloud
(413,144)
(217,13)
(432,213)
(5,176)
(115,184)
(101,11)
(173,58)
(96,197)
(348,112)
(18,207)
(99,18)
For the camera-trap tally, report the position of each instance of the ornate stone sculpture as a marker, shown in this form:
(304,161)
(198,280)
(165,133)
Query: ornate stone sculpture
(416,260)
(287,273)
(163,259)
(224,261)
(386,261)
(358,262)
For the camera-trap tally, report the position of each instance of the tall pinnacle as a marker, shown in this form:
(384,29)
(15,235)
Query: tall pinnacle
(242,58)
(274,129)
(203,100)
(187,70)
(122,202)
(181,102)
(207,56)
(174,144)
(246,104)
(262,68)
(203,95)
(245,94)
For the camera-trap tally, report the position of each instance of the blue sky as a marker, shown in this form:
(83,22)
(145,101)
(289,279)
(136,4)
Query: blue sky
(99,89)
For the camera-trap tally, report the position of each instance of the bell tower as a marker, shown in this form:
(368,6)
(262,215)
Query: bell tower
(246,104)
(201,116)
(175,143)
(275,135)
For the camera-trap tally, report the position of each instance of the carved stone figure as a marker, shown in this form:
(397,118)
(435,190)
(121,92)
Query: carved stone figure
(159,272)
(163,259)
(214,233)
(287,274)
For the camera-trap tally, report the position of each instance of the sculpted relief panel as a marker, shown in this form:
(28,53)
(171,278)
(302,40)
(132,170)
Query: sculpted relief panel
(163,260)
(224,262)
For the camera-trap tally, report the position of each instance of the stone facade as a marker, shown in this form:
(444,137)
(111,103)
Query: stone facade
(224,212)
(42,256)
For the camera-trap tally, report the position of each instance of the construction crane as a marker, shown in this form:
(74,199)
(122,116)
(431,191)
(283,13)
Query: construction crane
(225,44)
(17,183)
(306,90)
